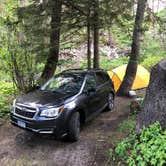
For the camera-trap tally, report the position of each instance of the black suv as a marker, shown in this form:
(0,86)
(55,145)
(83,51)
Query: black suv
(64,102)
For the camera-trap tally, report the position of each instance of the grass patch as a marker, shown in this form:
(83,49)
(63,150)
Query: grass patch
(150,61)
(111,64)
(107,64)
(127,125)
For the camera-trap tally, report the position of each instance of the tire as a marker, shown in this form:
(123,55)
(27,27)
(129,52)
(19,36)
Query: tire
(111,102)
(74,127)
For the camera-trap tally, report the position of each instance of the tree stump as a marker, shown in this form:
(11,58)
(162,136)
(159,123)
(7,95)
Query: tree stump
(154,105)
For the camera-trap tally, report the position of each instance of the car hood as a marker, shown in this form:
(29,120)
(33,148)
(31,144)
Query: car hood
(41,98)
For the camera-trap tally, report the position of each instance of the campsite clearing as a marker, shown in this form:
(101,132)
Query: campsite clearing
(21,148)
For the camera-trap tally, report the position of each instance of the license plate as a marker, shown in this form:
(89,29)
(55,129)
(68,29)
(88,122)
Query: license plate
(21,124)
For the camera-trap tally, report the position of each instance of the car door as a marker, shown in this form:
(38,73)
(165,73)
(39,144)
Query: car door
(102,89)
(92,99)
(108,85)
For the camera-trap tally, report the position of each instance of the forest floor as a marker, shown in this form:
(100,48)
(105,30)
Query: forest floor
(18,147)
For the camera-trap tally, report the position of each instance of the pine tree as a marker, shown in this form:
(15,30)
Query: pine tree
(134,56)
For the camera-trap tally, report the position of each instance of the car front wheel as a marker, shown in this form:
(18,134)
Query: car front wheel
(74,127)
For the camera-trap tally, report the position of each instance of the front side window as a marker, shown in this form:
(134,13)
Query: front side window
(90,82)
(64,83)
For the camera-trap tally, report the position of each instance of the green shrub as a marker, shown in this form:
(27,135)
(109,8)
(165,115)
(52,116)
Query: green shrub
(150,61)
(147,149)
(6,93)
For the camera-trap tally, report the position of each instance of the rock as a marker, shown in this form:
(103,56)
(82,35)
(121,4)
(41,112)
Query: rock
(132,93)
(154,105)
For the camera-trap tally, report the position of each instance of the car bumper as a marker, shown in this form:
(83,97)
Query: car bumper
(47,126)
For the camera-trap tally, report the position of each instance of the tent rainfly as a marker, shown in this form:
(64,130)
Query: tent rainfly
(141,80)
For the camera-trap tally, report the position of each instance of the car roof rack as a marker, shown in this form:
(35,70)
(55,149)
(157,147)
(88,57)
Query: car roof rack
(77,69)
(96,69)
(82,69)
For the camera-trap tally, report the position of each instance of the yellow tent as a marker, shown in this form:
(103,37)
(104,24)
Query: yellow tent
(141,80)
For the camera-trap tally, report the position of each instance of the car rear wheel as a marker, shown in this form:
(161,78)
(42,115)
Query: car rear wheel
(110,102)
(74,127)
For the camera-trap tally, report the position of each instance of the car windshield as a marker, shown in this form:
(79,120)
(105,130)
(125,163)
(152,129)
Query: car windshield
(64,83)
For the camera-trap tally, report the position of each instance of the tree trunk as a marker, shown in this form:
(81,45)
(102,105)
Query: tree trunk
(52,59)
(88,40)
(134,57)
(96,35)
(154,105)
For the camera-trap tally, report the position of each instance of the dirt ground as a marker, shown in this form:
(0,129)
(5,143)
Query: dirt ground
(20,148)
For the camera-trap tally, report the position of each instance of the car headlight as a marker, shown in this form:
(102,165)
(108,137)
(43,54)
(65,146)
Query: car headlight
(51,112)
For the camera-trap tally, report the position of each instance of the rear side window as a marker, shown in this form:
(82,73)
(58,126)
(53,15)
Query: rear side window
(106,76)
(100,78)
